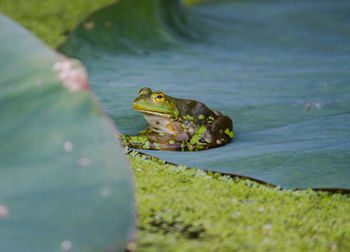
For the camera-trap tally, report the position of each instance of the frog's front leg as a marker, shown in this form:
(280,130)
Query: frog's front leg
(173,139)
(136,142)
(152,141)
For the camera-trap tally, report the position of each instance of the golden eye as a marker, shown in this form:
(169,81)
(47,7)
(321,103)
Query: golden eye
(158,97)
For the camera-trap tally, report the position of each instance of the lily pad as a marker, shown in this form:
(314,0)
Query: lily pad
(280,70)
(65,184)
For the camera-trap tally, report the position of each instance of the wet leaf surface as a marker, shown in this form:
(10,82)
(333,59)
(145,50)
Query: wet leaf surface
(279,70)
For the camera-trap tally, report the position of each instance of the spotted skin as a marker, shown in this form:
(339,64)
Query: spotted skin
(176,124)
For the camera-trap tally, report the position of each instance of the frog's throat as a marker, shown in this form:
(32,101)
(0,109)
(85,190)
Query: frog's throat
(155,113)
(158,122)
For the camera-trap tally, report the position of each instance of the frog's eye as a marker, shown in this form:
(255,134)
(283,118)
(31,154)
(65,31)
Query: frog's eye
(145,91)
(158,97)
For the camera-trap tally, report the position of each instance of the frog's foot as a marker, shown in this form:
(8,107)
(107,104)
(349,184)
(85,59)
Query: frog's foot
(148,143)
(143,142)
(137,142)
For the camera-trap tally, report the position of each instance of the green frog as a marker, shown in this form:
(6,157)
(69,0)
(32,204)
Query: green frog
(176,124)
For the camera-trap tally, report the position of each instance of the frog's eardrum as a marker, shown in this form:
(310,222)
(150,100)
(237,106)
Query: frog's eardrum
(279,69)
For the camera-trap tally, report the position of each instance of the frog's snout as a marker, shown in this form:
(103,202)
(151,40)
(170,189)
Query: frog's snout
(134,104)
(137,103)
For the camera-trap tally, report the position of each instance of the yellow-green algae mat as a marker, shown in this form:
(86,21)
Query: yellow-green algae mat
(65,184)
(279,69)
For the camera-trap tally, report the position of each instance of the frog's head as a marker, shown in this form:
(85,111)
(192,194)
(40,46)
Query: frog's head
(155,105)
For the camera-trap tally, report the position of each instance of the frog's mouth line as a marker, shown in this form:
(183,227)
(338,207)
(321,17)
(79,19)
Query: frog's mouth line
(154,113)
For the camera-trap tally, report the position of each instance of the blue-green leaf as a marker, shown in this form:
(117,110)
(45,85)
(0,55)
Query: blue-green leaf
(64,182)
(280,70)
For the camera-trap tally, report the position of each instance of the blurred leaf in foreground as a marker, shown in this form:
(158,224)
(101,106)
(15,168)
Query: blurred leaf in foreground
(64,183)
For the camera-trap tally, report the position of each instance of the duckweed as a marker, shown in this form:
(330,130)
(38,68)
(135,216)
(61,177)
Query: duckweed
(188,210)
(199,133)
(147,145)
(229,133)
(156,145)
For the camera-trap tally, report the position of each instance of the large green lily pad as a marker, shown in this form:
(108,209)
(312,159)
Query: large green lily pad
(64,184)
(280,70)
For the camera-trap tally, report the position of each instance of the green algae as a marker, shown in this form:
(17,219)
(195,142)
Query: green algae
(189,210)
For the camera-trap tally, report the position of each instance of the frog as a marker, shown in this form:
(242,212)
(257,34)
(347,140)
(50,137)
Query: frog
(178,124)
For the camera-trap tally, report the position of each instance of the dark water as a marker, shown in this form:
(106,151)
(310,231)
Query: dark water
(279,69)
